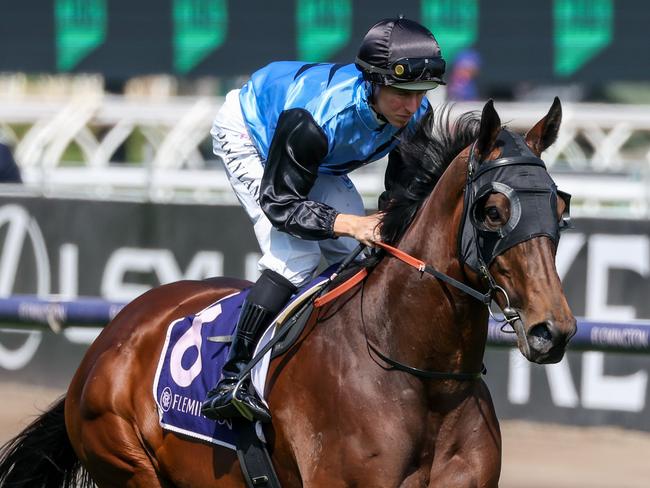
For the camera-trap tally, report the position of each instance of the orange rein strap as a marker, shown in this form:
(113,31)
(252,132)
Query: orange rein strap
(341,289)
(422,267)
(402,256)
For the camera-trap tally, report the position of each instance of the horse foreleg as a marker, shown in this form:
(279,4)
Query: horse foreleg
(468,449)
(115,457)
(460,473)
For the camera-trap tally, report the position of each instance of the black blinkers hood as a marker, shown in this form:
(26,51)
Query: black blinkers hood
(523,179)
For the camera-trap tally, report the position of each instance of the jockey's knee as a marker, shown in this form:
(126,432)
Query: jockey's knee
(298,269)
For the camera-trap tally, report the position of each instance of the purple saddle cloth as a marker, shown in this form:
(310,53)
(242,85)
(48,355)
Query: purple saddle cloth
(190,365)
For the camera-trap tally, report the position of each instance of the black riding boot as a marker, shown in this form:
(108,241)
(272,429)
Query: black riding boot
(267,297)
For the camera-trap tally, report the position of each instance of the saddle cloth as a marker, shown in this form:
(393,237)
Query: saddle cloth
(190,364)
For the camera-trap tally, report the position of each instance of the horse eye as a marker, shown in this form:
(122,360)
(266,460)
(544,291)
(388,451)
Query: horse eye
(492,213)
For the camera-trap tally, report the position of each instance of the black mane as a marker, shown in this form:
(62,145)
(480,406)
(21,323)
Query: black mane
(419,162)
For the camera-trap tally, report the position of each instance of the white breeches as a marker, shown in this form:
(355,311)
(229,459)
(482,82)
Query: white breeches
(295,259)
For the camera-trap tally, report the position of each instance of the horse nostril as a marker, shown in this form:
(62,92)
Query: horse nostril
(547,342)
(543,330)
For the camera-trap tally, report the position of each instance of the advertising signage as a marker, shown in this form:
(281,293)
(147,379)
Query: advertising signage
(603,264)
(590,41)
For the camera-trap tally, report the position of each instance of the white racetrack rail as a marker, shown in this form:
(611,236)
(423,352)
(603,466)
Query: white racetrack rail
(602,155)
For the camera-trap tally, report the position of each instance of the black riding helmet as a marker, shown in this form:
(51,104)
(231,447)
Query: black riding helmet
(401,53)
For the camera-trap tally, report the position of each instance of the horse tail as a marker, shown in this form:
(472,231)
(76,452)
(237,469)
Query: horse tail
(41,456)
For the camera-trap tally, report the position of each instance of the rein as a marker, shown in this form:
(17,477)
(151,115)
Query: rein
(422,267)
(509,314)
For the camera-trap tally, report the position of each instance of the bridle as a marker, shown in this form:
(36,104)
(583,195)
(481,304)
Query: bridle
(478,246)
(522,178)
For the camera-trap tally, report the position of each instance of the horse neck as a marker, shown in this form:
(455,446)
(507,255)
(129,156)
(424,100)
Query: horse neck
(421,320)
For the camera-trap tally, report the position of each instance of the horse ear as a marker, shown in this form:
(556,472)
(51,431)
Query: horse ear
(543,135)
(490,128)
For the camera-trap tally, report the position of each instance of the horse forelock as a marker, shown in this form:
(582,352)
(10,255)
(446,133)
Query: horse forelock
(425,156)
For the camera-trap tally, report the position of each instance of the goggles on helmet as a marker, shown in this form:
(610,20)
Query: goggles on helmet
(405,70)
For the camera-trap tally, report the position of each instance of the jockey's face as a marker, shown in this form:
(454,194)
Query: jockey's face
(397,106)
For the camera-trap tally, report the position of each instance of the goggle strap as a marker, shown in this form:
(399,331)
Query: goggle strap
(373,69)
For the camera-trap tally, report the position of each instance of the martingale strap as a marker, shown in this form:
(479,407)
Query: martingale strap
(423,268)
(423,373)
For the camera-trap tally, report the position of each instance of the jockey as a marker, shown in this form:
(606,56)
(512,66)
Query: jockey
(288,139)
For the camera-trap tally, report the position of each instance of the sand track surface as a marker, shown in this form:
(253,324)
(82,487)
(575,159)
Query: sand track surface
(534,455)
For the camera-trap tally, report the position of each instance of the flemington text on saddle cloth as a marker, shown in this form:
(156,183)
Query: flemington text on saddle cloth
(190,364)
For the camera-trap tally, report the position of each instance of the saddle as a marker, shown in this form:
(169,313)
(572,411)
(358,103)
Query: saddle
(253,456)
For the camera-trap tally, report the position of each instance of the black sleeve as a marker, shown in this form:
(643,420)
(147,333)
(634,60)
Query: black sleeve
(297,148)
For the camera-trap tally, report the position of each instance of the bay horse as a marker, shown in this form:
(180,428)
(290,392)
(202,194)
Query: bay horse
(341,416)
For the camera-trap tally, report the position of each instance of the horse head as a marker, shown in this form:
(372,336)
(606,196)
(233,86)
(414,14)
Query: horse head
(512,218)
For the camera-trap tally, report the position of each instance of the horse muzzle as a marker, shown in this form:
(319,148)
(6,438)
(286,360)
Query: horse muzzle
(544,342)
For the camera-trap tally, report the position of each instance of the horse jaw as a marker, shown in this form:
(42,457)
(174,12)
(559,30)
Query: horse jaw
(545,323)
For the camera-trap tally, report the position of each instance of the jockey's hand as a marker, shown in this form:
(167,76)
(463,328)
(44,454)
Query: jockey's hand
(364,229)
